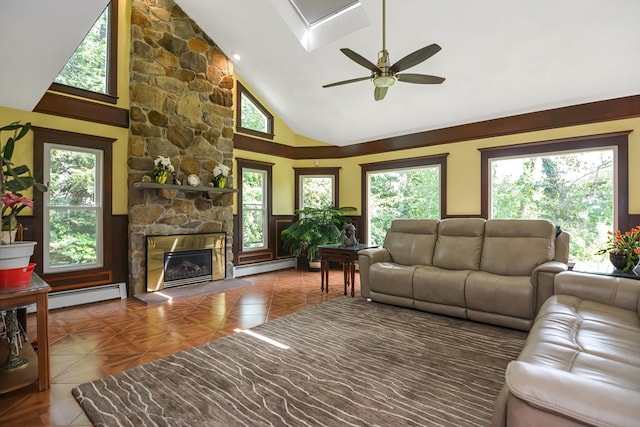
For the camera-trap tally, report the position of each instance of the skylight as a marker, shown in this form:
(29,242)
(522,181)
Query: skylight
(314,12)
(316,23)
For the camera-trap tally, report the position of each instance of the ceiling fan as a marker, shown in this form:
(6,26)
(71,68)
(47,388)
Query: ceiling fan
(385,75)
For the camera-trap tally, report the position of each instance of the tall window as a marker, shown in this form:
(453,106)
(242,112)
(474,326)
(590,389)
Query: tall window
(251,116)
(91,70)
(403,189)
(73,208)
(254,209)
(575,184)
(254,204)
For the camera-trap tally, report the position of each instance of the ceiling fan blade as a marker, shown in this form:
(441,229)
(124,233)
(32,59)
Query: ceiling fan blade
(379,93)
(356,57)
(344,82)
(415,58)
(420,79)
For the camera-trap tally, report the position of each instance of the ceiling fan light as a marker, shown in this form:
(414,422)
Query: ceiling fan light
(384,81)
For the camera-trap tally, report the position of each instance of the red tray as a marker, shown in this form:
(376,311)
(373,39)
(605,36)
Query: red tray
(11,277)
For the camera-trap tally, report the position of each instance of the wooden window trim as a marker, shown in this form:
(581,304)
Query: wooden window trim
(335,172)
(265,166)
(240,89)
(44,135)
(437,159)
(111,96)
(619,140)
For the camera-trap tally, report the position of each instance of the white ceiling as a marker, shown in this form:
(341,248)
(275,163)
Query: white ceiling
(500,58)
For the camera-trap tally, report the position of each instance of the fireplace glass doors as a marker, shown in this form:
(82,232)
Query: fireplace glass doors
(182,259)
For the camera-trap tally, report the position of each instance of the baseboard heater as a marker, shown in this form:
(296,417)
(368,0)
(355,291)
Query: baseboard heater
(84,296)
(263,267)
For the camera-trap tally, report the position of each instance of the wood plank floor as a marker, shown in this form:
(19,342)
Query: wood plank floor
(95,340)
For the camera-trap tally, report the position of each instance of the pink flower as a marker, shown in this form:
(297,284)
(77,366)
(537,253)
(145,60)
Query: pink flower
(10,200)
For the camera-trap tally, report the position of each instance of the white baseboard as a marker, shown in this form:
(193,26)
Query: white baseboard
(84,296)
(263,267)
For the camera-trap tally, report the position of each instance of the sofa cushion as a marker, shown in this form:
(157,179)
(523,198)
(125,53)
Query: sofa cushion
(392,279)
(440,286)
(505,295)
(514,247)
(592,339)
(459,243)
(412,241)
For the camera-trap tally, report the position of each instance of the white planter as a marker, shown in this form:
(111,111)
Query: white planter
(16,255)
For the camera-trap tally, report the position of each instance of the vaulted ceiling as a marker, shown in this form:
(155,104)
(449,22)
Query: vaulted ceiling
(499,58)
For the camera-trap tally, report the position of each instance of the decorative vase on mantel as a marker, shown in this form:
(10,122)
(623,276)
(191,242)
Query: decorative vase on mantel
(219,181)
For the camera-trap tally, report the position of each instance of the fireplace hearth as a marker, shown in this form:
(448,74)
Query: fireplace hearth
(183,259)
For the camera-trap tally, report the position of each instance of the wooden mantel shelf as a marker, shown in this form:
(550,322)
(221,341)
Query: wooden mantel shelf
(186,188)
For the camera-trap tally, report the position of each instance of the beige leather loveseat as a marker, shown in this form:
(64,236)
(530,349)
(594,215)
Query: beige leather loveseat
(580,364)
(492,271)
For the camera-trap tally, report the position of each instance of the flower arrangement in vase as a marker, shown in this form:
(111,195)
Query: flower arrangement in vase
(162,169)
(623,249)
(220,174)
(14,180)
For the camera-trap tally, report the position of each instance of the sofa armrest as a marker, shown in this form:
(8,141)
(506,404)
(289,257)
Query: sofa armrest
(617,291)
(366,258)
(542,279)
(573,396)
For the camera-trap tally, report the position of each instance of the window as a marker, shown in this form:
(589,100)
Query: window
(251,116)
(572,184)
(402,189)
(254,210)
(91,70)
(255,202)
(73,208)
(316,187)
(75,214)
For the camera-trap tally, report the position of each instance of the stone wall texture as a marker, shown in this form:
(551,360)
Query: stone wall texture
(181,107)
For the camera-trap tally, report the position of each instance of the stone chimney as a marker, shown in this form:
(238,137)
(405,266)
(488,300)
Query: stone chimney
(181,97)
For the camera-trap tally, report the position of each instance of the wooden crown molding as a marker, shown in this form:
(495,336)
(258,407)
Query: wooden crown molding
(593,112)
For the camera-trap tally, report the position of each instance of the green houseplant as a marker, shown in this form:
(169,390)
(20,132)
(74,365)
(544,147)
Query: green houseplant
(14,179)
(314,227)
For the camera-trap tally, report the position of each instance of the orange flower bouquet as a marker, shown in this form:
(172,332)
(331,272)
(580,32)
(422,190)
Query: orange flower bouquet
(625,247)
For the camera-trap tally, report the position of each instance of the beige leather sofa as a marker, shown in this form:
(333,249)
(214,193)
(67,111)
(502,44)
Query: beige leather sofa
(492,271)
(581,361)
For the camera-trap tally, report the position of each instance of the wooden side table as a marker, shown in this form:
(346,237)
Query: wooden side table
(345,255)
(38,368)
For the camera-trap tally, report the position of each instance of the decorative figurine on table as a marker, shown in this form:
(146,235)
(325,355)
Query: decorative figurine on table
(348,235)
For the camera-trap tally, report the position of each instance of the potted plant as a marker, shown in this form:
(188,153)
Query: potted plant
(314,227)
(623,249)
(13,181)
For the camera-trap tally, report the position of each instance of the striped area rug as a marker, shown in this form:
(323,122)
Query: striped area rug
(346,362)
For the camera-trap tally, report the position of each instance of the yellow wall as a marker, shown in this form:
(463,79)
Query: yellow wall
(463,166)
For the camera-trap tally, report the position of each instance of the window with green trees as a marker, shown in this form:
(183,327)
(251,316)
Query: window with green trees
(87,68)
(254,209)
(316,191)
(574,190)
(91,72)
(251,116)
(73,208)
(402,193)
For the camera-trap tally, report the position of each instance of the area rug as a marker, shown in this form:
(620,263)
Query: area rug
(346,362)
(189,291)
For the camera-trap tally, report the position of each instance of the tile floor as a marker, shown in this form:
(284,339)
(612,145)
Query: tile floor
(94,340)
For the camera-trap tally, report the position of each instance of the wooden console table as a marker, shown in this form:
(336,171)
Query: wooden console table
(345,255)
(38,368)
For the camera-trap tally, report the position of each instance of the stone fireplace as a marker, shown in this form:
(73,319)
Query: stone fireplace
(183,259)
(181,107)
